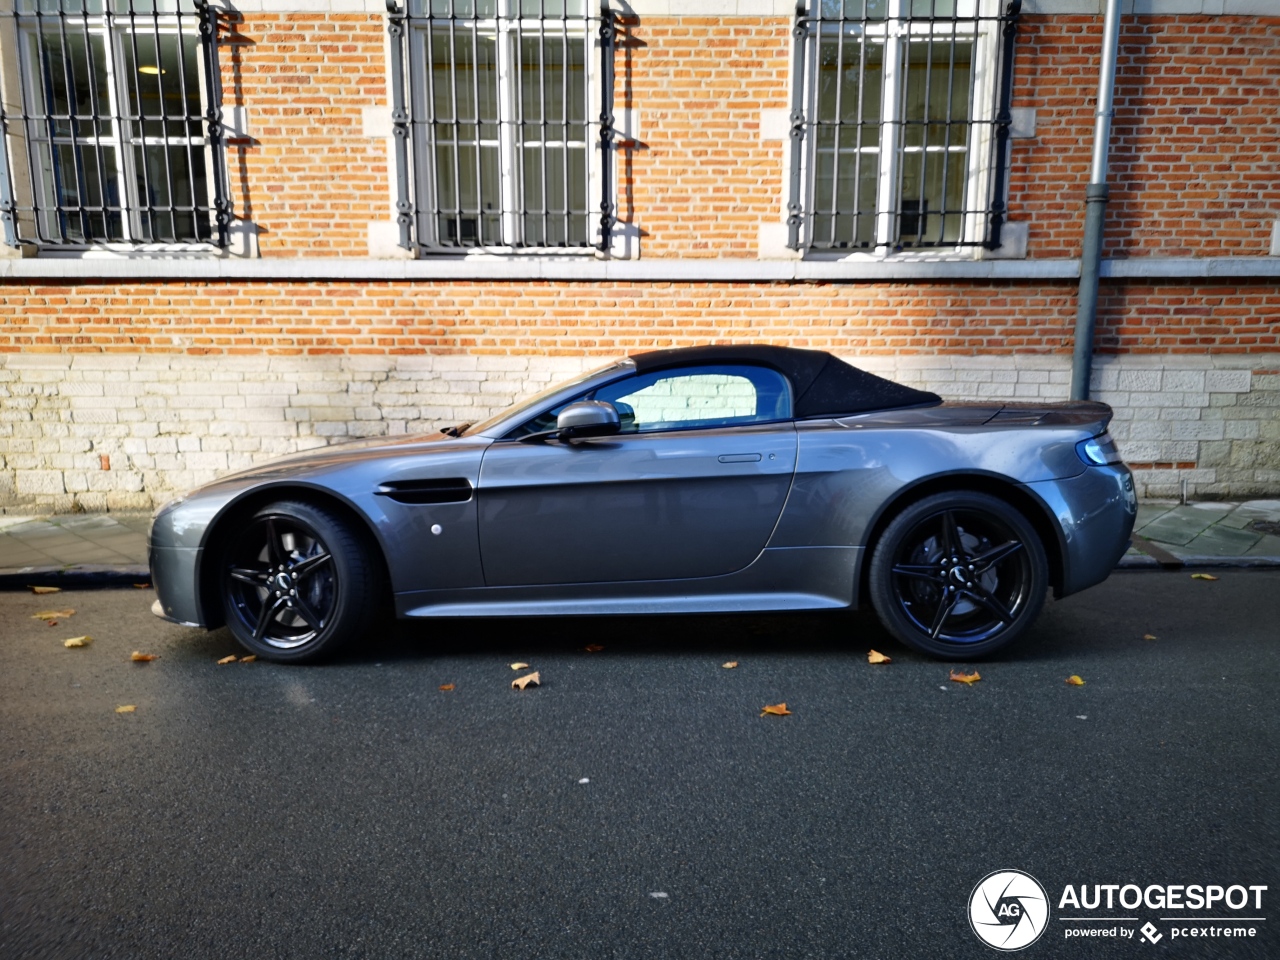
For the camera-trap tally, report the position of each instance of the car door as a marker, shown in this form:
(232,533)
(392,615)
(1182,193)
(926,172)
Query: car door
(693,488)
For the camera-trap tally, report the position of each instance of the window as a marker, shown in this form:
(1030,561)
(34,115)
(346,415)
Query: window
(497,123)
(685,398)
(900,124)
(110,144)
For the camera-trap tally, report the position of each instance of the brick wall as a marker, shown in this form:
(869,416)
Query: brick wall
(307,177)
(124,431)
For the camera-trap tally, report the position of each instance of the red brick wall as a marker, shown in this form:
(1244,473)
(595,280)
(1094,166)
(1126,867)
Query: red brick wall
(308,177)
(610,318)
(700,182)
(1195,158)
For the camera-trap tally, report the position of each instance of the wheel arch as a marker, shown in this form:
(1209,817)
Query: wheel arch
(221,527)
(1015,494)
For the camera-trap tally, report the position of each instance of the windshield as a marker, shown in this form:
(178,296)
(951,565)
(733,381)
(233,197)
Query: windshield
(529,406)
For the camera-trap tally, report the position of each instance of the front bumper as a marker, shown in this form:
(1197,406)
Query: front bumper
(1095,511)
(175,569)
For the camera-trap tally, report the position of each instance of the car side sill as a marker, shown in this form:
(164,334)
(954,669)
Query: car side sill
(790,578)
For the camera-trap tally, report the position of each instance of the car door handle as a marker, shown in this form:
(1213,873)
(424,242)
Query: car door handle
(738,457)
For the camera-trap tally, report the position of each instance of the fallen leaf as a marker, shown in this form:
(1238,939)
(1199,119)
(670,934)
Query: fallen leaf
(137,657)
(127,708)
(519,683)
(777,710)
(1203,576)
(875,656)
(142,586)
(1075,680)
(1149,636)
(46,589)
(519,666)
(77,642)
(730,665)
(249,659)
(966,677)
(446,686)
(52,614)
(593,648)
(231,659)
(52,623)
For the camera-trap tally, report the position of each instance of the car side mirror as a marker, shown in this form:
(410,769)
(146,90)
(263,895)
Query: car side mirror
(587,418)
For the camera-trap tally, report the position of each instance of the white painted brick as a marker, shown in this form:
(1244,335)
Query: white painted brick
(1227,381)
(1147,381)
(1240,430)
(38,481)
(1197,430)
(1186,381)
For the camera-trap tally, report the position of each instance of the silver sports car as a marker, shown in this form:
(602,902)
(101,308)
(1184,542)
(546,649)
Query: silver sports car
(708,479)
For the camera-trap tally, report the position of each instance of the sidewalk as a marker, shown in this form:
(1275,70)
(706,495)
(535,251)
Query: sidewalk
(105,549)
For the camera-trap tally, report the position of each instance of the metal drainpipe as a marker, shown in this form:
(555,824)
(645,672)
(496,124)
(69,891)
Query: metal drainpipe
(1095,208)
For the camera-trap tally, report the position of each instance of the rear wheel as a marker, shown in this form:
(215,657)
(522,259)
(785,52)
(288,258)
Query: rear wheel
(297,583)
(958,575)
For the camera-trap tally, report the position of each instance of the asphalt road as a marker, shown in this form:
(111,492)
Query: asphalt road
(357,810)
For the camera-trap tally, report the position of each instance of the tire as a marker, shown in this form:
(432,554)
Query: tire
(963,608)
(330,568)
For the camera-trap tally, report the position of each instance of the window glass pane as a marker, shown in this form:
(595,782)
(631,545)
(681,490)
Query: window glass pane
(553,132)
(699,397)
(854,9)
(161,84)
(847,140)
(935,141)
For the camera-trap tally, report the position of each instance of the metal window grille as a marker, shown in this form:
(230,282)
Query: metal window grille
(502,113)
(110,123)
(900,123)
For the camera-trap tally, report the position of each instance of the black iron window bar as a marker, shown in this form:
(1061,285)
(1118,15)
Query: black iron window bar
(900,123)
(110,123)
(492,113)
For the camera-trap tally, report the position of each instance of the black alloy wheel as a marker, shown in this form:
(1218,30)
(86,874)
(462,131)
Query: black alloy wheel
(958,575)
(297,583)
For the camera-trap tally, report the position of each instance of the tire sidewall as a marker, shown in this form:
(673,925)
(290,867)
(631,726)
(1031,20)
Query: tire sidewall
(884,597)
(350,566)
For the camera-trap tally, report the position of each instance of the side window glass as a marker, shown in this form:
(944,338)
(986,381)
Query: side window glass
(706,396)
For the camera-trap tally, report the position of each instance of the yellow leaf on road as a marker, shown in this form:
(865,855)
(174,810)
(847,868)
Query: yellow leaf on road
(1075,680)
(137,657)
(249,659)
(446,686)
(730,665)
(966,677)
(776,710)
(127,708)
(1203,576)
(1149,636)
(46,589)
(519,666)
(519,683)
(52,614)
(77,642)
(231,659)
(875,656)
(142,586)
(593,648)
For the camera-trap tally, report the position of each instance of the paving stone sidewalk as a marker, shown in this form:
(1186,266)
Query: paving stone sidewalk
(108,548)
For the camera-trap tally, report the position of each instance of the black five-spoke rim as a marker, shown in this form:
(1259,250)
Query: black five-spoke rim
(281,582)
(961,576)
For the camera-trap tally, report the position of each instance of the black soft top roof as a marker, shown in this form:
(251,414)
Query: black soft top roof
(822,385)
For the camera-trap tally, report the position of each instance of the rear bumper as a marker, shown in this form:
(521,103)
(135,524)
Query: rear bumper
(1095,512)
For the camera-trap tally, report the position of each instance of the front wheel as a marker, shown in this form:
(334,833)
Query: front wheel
(297,583)
(958,575)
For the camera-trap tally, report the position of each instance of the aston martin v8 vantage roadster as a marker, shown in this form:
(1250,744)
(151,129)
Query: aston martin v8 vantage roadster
(698,480)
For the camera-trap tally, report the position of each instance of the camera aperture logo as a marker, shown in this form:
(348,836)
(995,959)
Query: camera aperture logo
(1008,910)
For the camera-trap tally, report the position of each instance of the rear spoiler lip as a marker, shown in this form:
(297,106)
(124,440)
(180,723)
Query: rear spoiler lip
(1081,413)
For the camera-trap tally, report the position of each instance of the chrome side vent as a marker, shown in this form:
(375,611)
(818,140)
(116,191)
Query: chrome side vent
(452,490)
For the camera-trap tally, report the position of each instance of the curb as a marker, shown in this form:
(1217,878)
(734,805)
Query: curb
(78,577)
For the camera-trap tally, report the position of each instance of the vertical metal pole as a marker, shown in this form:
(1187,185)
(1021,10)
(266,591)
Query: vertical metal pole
(400,122)
(1095,208)
(1004,117)
(795,211)
(606,125)
(213,114)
